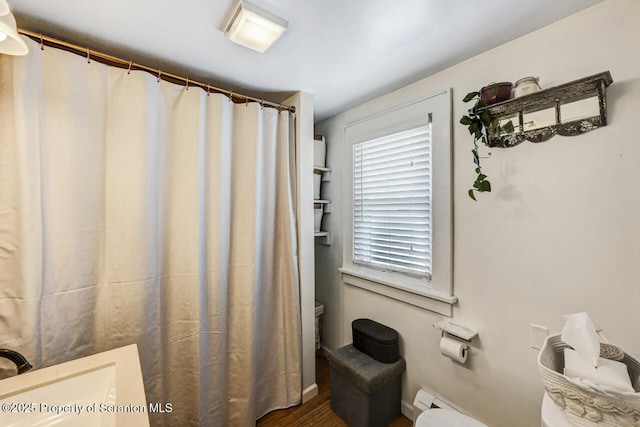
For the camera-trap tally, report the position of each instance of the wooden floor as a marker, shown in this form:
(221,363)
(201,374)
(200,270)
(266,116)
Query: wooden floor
(317,411)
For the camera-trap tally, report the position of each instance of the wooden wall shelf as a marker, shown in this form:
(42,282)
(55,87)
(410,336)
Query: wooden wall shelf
(550,104)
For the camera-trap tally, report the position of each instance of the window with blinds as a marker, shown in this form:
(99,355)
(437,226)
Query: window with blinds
(392,202)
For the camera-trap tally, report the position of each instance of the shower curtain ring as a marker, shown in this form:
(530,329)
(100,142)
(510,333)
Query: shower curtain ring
(88,57)
(208,90)
(129,69)
(186,87)
(159,75)
(231,97)
(246,100)
(41,42)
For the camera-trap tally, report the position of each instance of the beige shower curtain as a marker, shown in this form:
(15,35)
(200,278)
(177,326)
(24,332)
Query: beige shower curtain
(136,211)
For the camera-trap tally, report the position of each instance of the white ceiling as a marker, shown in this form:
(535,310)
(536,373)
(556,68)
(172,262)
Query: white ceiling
(343,52)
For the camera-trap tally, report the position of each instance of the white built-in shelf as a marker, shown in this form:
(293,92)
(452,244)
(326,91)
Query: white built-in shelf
(326,173)
(323,237)
(326,203)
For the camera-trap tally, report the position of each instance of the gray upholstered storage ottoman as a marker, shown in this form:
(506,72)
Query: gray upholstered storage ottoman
(365,392)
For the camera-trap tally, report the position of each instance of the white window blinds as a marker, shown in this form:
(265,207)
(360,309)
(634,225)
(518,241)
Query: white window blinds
(392,202)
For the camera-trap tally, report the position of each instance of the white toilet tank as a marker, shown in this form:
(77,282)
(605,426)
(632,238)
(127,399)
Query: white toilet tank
(429,411)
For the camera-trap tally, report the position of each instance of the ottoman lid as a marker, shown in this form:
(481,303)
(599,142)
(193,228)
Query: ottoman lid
(375,331)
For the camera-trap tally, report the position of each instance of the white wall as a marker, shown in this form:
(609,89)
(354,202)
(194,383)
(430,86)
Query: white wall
(559,234)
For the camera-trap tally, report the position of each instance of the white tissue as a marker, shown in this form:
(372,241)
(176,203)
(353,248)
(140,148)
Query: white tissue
(580,333)
(609,373)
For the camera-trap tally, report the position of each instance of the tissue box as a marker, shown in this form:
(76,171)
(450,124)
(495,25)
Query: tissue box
(317,216)
(319,151)
(585,406)
(317,180)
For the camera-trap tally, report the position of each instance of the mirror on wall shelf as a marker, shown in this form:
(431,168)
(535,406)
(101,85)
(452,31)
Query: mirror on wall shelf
(579,110)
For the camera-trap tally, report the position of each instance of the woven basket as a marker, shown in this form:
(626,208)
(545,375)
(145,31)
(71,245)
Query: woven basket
(583,405)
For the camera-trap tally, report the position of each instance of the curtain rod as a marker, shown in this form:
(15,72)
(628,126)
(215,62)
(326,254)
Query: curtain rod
(130,65)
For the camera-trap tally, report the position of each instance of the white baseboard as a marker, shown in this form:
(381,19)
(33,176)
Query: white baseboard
(407,409)
(309,393)
(324,351)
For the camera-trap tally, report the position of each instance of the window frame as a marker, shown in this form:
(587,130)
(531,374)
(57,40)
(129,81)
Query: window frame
(435,294)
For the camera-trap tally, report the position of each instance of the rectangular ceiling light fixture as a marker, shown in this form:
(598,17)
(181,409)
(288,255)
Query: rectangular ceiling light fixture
(254,27)
(10,41)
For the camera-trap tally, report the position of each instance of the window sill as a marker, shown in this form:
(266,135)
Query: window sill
(378,283)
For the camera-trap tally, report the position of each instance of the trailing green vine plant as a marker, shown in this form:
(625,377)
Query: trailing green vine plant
(479,126)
